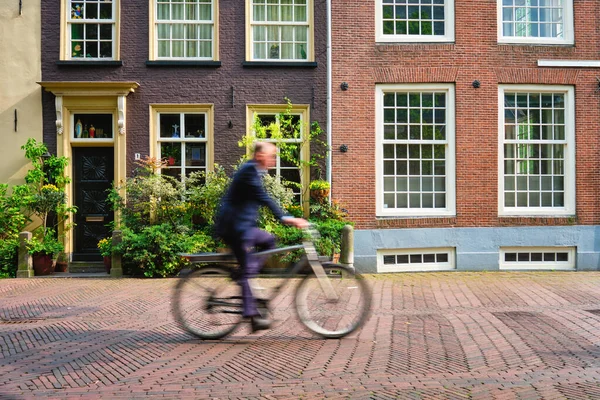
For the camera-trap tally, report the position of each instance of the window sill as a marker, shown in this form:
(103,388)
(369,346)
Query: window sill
(94,63)
(183,63)
(280,64)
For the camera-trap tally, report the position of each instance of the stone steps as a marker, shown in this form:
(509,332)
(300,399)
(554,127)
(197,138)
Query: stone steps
(79,267)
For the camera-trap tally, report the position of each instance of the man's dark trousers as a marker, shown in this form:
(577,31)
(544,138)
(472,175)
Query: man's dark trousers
(244,247)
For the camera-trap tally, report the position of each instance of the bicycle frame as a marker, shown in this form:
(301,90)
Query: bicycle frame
(311,258)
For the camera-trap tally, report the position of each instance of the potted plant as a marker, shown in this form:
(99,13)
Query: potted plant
(46,203)
(319,190)
(62,263)
(44,248)
(105,247)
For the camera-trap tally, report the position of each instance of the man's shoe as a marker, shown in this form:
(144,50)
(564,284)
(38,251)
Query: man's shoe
(259,323)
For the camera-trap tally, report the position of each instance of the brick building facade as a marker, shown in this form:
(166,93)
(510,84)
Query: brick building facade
(171,79)
(472,132)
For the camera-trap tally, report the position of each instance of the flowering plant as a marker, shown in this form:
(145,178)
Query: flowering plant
(105,247)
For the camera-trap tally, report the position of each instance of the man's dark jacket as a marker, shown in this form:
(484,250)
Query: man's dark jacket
(239,207)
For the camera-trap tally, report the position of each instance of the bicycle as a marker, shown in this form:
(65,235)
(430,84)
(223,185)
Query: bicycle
(331,300)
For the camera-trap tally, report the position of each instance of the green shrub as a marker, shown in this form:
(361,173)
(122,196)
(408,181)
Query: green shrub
(204,193)
(319,184)
(153,250)
(12,221)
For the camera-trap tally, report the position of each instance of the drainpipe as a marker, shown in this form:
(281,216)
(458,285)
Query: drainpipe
(329,107)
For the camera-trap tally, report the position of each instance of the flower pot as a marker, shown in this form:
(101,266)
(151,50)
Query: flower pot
(319,195)
(42,264)
(107,263)
(61,266)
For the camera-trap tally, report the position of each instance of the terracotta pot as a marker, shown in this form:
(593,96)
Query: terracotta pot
(320,195)
(107,263)
(42,264)
(61,266)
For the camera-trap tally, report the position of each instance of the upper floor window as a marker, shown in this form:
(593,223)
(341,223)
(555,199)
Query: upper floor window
(183,30)
(415,150)
(535,21)
(280,30)
(91,30)
(537,159)
(414,20)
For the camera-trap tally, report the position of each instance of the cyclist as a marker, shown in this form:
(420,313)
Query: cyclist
(236,223)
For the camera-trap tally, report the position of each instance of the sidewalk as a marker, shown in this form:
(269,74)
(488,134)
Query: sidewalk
(460,335)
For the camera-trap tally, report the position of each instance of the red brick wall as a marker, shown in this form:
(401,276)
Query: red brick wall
(475,55)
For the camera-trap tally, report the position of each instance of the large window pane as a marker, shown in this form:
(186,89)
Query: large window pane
(539,165)
(423,157)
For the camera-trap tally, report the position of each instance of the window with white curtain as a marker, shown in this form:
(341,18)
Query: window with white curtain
(184,29)
(280,30)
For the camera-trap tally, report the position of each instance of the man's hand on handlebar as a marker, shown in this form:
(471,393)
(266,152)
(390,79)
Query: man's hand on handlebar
(297,222)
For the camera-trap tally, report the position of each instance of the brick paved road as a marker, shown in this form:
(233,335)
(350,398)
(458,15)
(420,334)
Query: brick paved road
(461,335)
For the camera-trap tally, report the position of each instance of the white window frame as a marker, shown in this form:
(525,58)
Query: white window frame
(450,209)
(182,109)
(568,28)
(448,28)
(538,265)
(68,21)
(569,154)
(415,267)
(154,22)
(250,23)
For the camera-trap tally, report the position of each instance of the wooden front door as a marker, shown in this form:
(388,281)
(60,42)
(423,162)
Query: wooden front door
(93,172)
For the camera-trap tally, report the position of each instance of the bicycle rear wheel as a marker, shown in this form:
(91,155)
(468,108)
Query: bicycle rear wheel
(207,303)
(333,318)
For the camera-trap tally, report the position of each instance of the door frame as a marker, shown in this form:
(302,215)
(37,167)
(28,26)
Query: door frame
(89,97)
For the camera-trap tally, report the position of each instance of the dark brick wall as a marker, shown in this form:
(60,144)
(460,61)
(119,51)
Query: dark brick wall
(475,55)
(264,85)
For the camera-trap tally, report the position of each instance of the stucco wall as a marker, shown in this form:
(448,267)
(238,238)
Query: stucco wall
(20,69)
(477,249)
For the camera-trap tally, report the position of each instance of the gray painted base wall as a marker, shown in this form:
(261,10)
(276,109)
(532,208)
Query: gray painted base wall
(477,249)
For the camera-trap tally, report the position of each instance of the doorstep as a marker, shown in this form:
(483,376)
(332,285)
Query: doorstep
(76,275)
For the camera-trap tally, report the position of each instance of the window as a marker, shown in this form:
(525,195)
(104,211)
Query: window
(92,126)
(280,30)
(91,30)
(415,150)
(535,21)
(183,139)
(537,159)
(183,30)
(433,259)
(414,20)
(290,126)
(537,258)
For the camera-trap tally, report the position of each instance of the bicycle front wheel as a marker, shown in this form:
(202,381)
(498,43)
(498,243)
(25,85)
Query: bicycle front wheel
(333,318)
(207,303)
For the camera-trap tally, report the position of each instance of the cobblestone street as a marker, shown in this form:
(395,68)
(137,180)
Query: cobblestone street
(489,335)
